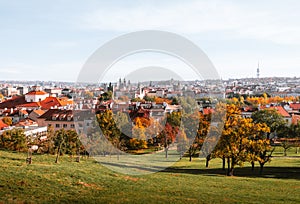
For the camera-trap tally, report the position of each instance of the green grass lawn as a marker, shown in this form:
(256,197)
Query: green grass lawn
(279,151)
(184,182)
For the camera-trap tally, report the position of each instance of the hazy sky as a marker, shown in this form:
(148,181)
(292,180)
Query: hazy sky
(51,40)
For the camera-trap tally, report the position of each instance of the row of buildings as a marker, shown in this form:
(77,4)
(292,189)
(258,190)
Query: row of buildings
(39,107)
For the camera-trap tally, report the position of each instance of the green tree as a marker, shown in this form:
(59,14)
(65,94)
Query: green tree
(19,140)
(174,119)
(14,140)
(60,143)
(106,96)
(270,117)
(188,104)
(73,144)
(285,133)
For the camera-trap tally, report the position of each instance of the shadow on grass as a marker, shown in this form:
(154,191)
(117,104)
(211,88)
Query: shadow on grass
(150,169)
(13,155)
(268,172)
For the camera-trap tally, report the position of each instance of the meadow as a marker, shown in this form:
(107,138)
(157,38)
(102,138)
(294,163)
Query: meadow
(185,182)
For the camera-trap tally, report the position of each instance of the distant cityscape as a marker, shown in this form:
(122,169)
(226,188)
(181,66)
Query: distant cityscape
(35,105)
(274,86)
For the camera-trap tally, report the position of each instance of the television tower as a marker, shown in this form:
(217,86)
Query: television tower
(257,71)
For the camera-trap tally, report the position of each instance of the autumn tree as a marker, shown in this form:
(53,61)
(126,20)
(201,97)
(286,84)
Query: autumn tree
(196,128)
(7,121)
(259,146)
(224,144)
(233,142)
(110,130)
(167,136)
(1,97)
(139,135)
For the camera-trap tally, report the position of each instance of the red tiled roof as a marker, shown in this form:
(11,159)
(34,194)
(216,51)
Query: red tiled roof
(295,106)
(30,104)
(50,102)
(36,93)
(39,112)
(279,110)
(45,104)
(12,103)
(282,111)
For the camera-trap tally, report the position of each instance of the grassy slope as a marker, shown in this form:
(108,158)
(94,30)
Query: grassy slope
(185,182)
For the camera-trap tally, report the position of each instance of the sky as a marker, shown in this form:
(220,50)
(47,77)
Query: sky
(52,40)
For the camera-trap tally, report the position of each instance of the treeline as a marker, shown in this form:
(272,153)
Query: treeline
(241,139)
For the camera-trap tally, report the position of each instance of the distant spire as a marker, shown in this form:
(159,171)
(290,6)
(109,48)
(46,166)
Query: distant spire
(257,71)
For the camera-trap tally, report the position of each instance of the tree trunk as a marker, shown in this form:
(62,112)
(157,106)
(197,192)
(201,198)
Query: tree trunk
(190,154)
(223,163)
(118,150)
(232,167)
(207,160)
(261,168)
(29,156)
(252,166)
(57,155)
(285,152)
(297,150)
(231,171)
(228,166)
(166,151)
(78,156)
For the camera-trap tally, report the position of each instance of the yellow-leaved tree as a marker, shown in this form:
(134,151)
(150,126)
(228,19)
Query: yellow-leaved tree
(237,141)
